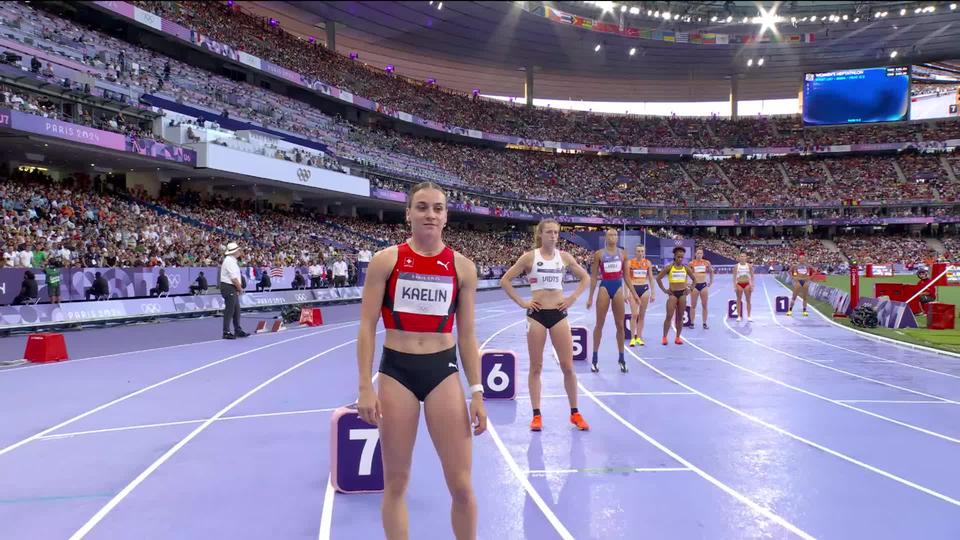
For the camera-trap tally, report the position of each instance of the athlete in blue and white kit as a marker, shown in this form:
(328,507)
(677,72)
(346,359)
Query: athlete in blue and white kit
(607,268)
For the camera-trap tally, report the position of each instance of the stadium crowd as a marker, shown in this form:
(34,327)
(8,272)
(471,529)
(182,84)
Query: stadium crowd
(79,221)
(83,222)
(530,175)
(254,35)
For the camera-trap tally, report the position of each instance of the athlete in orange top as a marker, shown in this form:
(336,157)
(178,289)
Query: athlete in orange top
(701,270)
(639,277)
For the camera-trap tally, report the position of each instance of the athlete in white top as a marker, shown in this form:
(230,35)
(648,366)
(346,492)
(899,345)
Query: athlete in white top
(743,284)
(547,312)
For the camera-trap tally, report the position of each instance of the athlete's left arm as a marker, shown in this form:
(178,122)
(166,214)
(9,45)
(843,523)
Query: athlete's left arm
(571,262)
(467,337)
(710,269)
(751,276)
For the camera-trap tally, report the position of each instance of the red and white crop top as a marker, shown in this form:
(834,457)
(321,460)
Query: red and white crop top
(421,293)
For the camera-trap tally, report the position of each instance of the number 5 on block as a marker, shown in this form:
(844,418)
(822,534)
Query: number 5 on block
(498,371)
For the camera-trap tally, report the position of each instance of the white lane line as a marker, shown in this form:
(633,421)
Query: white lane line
(831,368)
(515,468)
(756,507)
(874,337)
(134,354)
(773,315)
(833,401)
(179,423)
(605,394)
(119,497)
(326,515)
(151,387)
(608,470)
(801,439)
(926,402)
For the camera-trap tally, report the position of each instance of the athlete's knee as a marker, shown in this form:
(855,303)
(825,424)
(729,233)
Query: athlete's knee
(567,369)
(395,483)
(536,368)
(461,488)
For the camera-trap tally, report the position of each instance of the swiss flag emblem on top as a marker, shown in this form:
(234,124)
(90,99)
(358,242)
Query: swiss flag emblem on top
(408,261)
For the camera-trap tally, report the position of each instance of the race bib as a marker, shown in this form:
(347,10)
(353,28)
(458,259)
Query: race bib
(548,278)
(678,275)
(802,271)
(611,266)
(423,294)
(700,269)
(639,273)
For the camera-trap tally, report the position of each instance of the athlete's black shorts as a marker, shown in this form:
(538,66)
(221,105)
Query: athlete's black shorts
(419,373)
(700,286)
(547,317)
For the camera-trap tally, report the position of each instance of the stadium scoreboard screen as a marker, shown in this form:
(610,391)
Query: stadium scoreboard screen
(856,96)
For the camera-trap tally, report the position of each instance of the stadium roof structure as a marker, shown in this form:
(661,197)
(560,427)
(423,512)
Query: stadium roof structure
(582,50)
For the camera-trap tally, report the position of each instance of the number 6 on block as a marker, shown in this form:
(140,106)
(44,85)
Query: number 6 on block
(498,373)
(355,460)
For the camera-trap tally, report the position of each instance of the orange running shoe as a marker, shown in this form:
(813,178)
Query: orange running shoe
(536,424)
(577,420)
(678,341)
(664,340)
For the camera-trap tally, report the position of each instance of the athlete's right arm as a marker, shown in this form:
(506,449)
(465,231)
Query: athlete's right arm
(378,272)
(523,264)
(663,272)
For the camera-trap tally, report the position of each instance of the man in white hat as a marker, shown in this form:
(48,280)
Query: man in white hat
(231,287)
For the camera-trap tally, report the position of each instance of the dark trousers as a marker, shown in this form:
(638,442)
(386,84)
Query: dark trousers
(231,307)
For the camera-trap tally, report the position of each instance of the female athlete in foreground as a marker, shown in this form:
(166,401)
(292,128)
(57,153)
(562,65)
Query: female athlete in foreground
(547,313)
(419,287)
(608,267)
(639,280)
(802,273)
(678,274)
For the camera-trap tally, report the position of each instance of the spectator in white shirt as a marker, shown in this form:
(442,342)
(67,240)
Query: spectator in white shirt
(315,279)
(231,287)
(364,256)
(26,257)
(340,273)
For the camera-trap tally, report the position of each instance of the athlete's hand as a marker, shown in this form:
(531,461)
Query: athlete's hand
(589,302)
(567,302)
(533,305)
(478,414)
(368,405)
